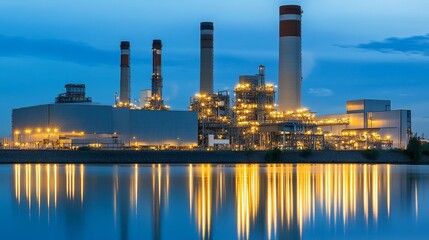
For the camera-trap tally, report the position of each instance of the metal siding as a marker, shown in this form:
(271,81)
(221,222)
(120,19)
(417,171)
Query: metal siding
(87,118)
(121,123)
(394,123)
(30,117)
(149,127)
(164,127)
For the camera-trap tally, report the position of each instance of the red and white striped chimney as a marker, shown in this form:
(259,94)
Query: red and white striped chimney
(290,69)
(125,87)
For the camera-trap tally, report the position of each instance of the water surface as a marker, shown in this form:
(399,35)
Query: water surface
(343,201)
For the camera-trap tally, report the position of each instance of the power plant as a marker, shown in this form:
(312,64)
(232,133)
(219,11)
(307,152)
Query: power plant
(249,120)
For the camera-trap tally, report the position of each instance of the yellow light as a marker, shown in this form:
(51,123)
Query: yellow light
(17,132)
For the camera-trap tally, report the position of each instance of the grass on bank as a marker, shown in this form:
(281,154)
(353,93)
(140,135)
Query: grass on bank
(273,155)
(371,154)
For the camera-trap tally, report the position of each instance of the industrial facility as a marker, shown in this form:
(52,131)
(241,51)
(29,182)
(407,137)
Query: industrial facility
(74,121)
(253,121)
(247,119)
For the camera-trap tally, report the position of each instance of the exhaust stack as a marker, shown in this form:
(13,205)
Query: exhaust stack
(206,57)
(290,70)
(125,89)
(156,102)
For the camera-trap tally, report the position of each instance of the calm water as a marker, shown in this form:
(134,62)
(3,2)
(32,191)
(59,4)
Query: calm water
(214,201)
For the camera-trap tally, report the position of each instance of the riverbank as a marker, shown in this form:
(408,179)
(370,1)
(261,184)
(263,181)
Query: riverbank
(221,157)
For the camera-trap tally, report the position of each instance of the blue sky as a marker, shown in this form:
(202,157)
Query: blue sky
(351,49)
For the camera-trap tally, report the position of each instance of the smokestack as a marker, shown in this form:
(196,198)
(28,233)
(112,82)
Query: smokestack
(156,70)
(261,75)
(290,73)
(125,88)
(206,57)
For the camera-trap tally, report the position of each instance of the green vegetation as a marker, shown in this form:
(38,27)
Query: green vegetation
(306,153)
(425,149)
(249,152)
(414,149)
(273,155)
(398,150)
(371,154)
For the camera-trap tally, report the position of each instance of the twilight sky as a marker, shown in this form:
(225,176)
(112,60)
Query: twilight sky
(351,50)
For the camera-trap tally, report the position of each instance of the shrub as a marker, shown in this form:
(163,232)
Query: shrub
(371,154)
(398,150)
(249,152)
(273,155)
(306,153)
(414,149)
(425,149)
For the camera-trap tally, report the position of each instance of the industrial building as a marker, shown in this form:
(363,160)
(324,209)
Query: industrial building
(75,121)
(69,125)
(368,124)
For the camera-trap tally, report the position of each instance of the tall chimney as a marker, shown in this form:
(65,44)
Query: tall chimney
(206,57)
(156,69)
(125,88)
(290,72)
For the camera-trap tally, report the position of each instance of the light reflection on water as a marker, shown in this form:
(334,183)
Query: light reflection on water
(214,201)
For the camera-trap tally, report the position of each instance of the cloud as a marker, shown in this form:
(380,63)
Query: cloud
(408,45)
(320,92)
(56,49)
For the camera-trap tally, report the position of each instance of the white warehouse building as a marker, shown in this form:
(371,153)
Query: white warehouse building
(376,116)
(74,121)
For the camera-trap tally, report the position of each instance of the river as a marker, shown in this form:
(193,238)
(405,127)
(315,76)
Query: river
(203,201)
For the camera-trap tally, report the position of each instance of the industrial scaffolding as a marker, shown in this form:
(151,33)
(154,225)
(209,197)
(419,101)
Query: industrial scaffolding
(253,122)
(214,117)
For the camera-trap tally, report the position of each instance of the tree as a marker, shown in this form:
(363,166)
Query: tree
(414,148)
